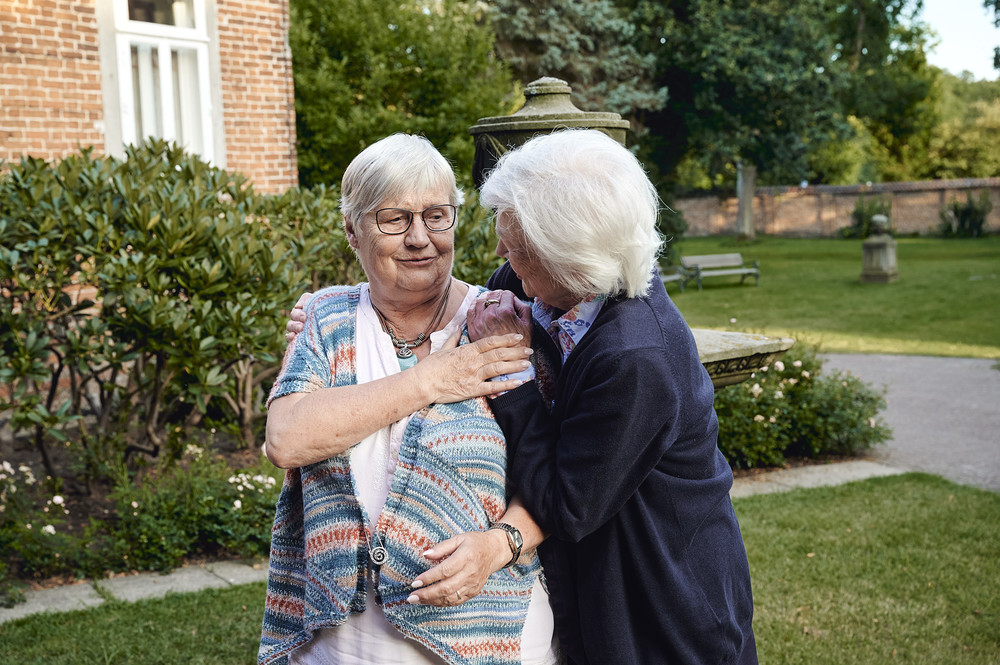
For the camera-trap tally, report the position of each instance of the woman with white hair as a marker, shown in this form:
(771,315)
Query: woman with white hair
(612,450)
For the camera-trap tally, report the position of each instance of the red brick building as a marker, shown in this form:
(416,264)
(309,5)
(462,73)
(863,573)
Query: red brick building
(213,75)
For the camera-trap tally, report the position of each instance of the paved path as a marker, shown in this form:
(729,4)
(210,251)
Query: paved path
(944,413)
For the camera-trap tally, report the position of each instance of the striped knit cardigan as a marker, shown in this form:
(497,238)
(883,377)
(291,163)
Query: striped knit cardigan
(450,479)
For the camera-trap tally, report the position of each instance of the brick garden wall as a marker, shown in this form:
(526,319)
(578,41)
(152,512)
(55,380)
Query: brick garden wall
(51,101)
(822,210)
(50,79)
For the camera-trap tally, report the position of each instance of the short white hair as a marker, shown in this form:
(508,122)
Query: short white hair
(586,208)
(391,168)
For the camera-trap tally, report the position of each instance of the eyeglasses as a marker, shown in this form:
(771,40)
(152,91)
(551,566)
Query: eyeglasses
(394,221)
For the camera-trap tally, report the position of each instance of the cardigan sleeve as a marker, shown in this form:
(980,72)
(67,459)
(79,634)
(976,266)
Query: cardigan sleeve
(575,474)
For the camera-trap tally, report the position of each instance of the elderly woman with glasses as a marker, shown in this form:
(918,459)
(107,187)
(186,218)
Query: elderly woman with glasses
(613,447)
(379,415)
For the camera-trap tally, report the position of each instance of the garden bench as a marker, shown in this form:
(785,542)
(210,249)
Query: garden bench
(674,274)
(718,265)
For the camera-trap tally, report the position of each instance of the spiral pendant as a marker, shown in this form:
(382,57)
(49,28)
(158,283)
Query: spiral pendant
(403,352)
(379,555)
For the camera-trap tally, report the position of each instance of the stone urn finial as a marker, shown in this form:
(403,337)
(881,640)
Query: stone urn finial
(547,108)
(880,224)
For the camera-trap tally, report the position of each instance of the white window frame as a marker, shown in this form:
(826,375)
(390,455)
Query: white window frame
(163,39)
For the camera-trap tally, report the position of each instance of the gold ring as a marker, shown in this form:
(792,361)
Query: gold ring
(492,301)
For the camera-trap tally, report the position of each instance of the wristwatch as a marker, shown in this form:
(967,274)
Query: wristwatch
(513,539)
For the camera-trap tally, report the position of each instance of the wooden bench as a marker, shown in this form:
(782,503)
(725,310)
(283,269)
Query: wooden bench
(718,265)
(674,274)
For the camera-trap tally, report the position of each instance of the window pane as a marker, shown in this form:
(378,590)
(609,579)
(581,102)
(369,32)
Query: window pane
(146,92)
(178,13)
(187,99)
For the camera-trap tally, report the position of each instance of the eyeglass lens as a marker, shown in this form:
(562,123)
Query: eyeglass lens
(397,220)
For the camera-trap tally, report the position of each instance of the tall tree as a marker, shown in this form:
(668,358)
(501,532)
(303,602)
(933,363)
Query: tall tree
(590,44)
(890,88)
(367,68)
(994,5)
(750,85)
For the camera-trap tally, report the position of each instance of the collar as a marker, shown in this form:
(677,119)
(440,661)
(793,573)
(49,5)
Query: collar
(567,330)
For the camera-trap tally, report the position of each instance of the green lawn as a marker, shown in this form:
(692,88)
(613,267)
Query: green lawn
(889,570)
(946,301)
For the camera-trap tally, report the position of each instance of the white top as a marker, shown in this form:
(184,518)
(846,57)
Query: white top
(367,637)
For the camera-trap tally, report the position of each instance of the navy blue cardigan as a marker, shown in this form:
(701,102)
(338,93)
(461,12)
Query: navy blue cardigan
(645,562)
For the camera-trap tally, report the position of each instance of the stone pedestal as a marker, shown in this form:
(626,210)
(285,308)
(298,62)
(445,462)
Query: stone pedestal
(879,254)
(731,357)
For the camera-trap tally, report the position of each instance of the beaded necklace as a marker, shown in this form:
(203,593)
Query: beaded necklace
(404,347)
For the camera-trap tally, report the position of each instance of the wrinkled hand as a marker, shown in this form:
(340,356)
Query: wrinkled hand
(489,317)
(297,317)
(466,562)
(457,373)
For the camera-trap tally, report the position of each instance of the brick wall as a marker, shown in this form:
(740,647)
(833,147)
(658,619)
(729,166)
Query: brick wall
(822,210)
(51,100)
(258,91)
(50,79)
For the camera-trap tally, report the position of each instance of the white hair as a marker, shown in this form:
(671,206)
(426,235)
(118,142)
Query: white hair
(390,169)
(586,208)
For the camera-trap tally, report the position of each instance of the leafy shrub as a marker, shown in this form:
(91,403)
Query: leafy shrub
(197,506)
(861,217)
(966,220)
(791,409)
(33,540)
(135,293)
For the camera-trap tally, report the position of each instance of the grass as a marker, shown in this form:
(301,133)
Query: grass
(945,303)
(889,570)
(216,627)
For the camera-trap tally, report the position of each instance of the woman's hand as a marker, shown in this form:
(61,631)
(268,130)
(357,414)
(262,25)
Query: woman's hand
(456,373)
(466,562)
(297,317)
(499,313)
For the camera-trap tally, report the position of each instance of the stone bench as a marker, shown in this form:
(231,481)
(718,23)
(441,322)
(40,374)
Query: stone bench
(719,265)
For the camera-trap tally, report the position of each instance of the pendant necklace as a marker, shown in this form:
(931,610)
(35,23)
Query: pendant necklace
(404,346)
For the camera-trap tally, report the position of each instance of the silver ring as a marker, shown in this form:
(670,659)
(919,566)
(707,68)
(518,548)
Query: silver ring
(492,301)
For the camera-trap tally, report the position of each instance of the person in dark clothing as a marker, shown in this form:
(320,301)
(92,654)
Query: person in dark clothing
(612,447)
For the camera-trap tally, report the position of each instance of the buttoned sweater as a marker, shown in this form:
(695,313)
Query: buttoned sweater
(450,478)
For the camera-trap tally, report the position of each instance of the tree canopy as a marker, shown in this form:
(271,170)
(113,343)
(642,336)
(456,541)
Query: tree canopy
(364,69)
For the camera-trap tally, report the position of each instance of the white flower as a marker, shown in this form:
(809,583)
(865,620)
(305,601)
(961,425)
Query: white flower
(778,394)
(779,366)
(27,526)
(49,529)
(58,500)
(237,504)
(764,368)
(758,418)
(772,419)
(756,390)
(871,422)
(792,382)
(797,363)
(732,320)
(7,467)
(805,374)
(135,504)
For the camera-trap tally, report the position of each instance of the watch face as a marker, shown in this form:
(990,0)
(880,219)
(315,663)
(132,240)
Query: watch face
(516,535)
